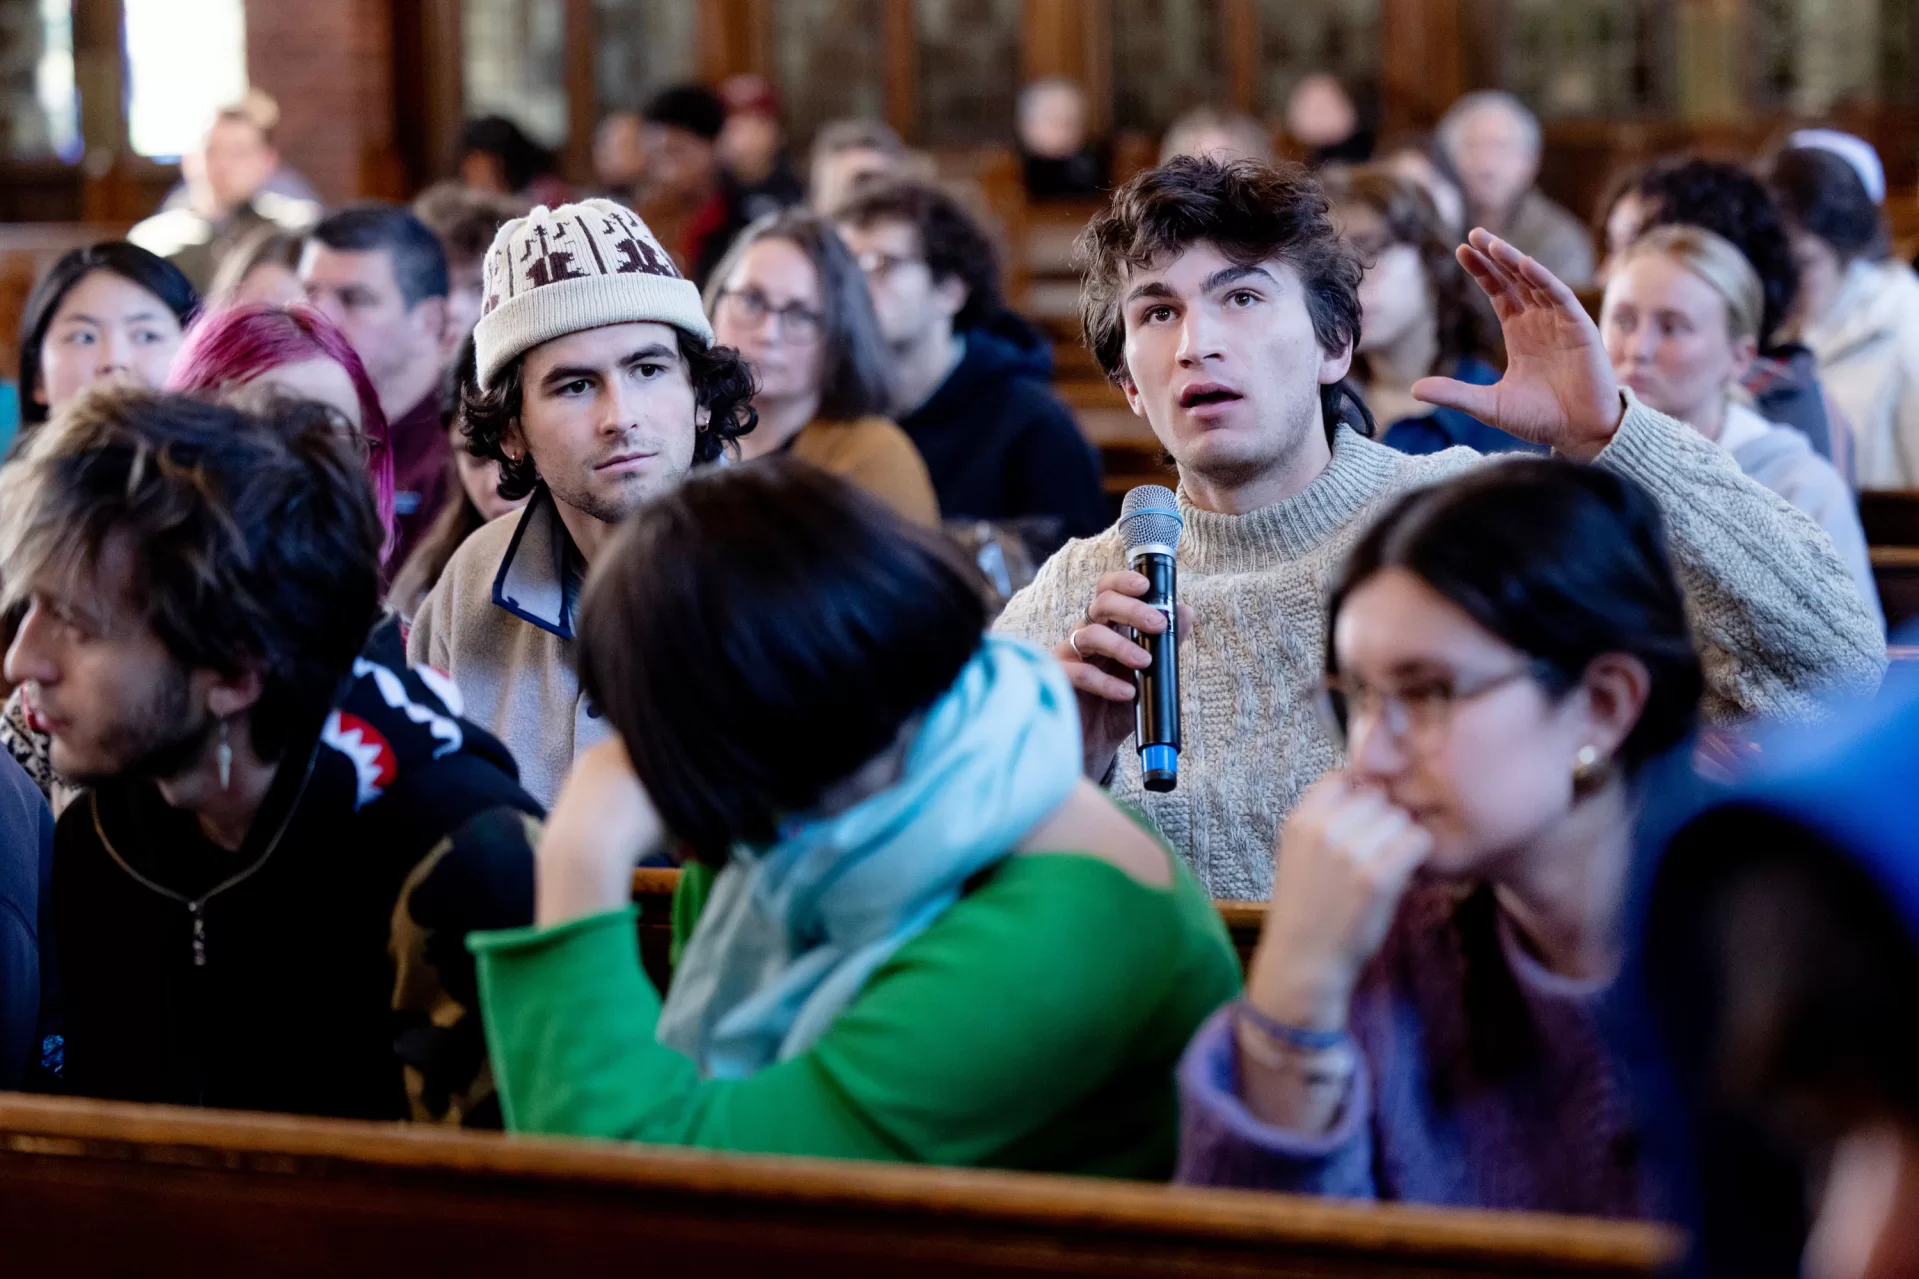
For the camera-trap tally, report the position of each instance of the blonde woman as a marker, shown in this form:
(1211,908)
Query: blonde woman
(1681,325)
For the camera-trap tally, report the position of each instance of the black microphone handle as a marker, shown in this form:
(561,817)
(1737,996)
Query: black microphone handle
(1156,708)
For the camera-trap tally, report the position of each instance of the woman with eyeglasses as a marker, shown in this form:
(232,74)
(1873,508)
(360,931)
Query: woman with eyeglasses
(1422,1018)
(789,296)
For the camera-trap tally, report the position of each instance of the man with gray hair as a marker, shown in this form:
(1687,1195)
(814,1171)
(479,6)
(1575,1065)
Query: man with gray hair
(1494,142)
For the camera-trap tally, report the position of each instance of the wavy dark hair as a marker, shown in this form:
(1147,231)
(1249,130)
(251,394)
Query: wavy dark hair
(255,537)
(722,385)
(1250,212)
(1563,562)
(1822,195)
(759,633)
(128,261)
(1412,219)
(852,352)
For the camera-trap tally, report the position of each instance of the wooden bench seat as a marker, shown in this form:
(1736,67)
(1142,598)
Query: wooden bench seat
(95,1188)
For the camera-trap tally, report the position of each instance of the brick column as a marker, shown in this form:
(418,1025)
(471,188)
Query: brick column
(330,66)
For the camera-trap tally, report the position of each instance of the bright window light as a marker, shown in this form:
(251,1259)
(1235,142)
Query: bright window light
(185,60)
(53,80)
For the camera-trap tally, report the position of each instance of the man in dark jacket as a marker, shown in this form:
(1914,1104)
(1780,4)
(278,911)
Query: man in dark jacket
(26,852)
(969,379)
(279,844)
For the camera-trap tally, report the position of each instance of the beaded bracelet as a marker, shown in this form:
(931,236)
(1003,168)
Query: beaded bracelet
(1298,1037)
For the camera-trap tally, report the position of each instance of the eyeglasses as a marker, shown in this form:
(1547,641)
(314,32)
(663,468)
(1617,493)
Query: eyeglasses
(878,265)
(750,307)
(1417,715)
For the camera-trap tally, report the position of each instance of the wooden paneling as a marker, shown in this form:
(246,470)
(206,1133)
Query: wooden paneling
(89,1188)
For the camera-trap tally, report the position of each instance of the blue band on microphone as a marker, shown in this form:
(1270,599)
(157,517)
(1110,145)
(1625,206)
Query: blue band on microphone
(1158,759)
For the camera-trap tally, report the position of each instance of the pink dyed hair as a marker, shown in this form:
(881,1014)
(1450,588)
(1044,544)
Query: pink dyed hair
(239,343)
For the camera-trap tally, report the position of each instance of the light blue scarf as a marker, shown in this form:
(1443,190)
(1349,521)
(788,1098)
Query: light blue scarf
(791,933)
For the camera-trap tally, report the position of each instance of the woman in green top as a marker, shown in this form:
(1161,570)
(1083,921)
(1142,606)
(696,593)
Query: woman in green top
(927,939)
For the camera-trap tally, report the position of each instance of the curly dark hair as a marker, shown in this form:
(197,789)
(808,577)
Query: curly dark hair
(1822,194)
(722,385)
(1725,199)
(255,535)
(954,244)
(1411,218)
(1252,213)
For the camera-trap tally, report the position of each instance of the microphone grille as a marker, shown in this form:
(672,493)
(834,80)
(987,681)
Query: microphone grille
(1150,516)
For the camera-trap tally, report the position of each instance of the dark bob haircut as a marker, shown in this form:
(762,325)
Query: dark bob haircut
(722,385)
(953,243)
(1563,562)
(1822,195)
(419,263)
(255,538)
(1726,199)
(759,633)
(128,261)
(1252,213)
(853,360)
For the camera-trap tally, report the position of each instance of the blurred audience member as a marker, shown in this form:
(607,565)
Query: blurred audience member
(1854,150)
(1858,311)
(1057,160)
(264,887)
(380,275)
(791,299)
(848,154)
(1321,117)
(755,168)
(1681,321)
(1228,135)
(1729,201)
(293,351)
(496,157)
(596,387)
(619,157)
(1781,951)
(264,267)
(1494,142)
(1419,160)
(466,222)
(970,381)
(231,187)
(1424,1017)
(1419,315)
(685,201)
(909,931)
(110,310)
(476,501)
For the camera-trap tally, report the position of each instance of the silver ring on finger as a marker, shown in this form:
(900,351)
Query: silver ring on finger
(1073,642)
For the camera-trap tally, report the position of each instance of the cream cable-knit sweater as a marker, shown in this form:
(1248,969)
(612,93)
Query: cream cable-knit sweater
(1777,618)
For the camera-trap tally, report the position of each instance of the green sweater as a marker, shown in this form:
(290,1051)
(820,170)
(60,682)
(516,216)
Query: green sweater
(1034,1025)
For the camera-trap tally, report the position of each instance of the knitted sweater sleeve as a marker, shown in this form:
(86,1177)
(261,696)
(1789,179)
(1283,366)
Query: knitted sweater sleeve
(1049,606)
(1777,619)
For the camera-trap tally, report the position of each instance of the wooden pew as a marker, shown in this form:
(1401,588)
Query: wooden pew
(653,893)
(95,1188)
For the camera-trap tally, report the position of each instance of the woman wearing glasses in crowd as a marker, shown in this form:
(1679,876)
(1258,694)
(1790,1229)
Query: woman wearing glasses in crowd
(1421,1020)
(789,296)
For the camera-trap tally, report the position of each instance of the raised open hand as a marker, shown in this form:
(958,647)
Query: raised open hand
(1559,389)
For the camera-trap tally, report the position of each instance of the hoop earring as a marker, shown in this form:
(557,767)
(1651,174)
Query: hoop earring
(223,755)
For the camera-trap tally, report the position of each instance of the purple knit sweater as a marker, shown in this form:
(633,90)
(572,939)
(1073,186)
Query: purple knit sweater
(1483,1082)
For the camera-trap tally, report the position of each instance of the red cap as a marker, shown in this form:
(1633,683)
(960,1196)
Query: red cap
(744,94)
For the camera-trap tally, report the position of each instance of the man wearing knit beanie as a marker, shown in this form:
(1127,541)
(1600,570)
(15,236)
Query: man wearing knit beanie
(598,388)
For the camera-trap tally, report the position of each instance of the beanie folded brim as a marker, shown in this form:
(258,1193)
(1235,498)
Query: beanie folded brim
(539,315)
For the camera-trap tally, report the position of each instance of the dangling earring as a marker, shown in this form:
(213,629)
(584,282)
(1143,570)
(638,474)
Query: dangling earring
(1585,765)
(224,755)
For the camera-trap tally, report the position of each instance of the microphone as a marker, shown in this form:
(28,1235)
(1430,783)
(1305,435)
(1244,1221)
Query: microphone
(1149,521)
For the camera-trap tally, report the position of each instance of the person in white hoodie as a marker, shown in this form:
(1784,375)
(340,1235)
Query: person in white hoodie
(1858,310)
(1681,326)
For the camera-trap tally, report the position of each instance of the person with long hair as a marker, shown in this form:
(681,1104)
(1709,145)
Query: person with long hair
(790,297)
(294,351)
(105,310)
(908,929)
(1507,655)
(1420,315)
(1681,323)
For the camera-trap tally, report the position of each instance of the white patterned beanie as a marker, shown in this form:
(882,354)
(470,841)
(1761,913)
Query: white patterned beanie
(579,266)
